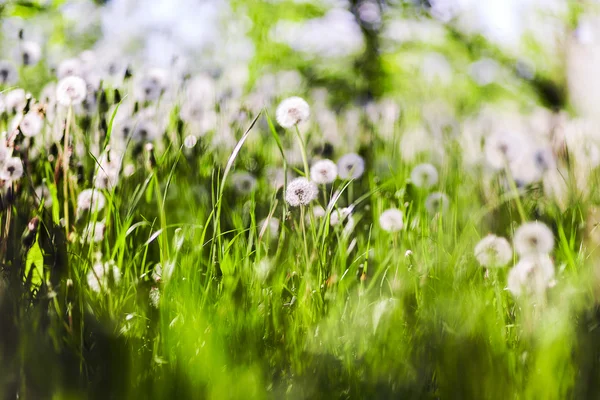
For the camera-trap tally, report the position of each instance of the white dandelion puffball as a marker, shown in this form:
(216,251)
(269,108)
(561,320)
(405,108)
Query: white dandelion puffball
(107,177)
(292,111)
(152,84)
(12,169)
(69,67)
(93,232)
(318,212)
(30,53)
(8,73)
(145,131)
(71,91)
(154,297)
(43,193)
(424,176)
(263,268)
(437,202)
(339,216)
(531,276)
(502,148)
(277,177)
(351,166)
(270,227)
(31,124)
(15,100)
(391,220)
(493,251)
(190,141)
(244,182)
(99,277)
(300,192)
(90,199)
(323,172)
(533,238)
(5,151)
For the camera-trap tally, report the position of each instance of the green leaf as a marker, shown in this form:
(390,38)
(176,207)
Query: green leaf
(34,267)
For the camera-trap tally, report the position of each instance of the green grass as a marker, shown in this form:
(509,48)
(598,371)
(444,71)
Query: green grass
(311,311)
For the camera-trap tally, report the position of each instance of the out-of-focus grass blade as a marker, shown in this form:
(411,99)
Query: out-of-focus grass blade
(111,122)
(274,134)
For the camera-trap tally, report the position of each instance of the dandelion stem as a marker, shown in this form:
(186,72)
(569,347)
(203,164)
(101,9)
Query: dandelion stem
(303,152)
(303,227)
(65,167)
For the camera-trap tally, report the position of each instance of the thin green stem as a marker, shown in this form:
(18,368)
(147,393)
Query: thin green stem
(303,152)
(65,167)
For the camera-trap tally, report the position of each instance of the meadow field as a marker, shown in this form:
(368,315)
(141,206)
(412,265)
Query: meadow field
(299,199)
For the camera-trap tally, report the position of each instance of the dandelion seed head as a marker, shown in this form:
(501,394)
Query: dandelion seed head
(319,211)
(93,232)
(531,276)
(107,176)
(276,177)
(300,192)
(145,131)
(493,251)
(43,193)
(292,111)
(154,297)
(11,169)
(244,182)
(15,100)
(71,91)
(152,84)
(100,276)
(8,73)
(544,159)
(69,67)
(524,171)
(190,141)
(502,148)
(90,200)
(30,53)
(437,202)
(424,176)
(351,166)
(391,220)
(338,216)
(270,226)
(31,124)
(263,268)
(323,172)
(533,238)
(129,170)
